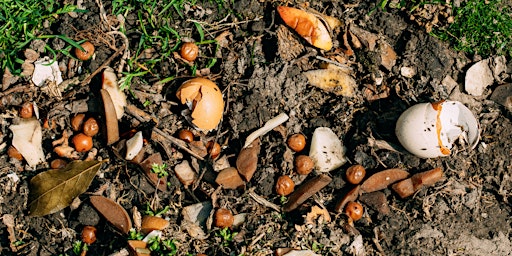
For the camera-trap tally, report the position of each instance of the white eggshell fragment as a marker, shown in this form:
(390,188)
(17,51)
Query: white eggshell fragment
(134,146)
(27,139)
(326,151)
(430,130)
(46,70)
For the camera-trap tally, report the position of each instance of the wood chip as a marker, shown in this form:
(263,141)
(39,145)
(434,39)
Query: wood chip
(185,174)
(150,223)
(383,179)
(229,178)
(114,213)
(377,201)
(112,126)
(147,165)
(305,191)
(247,160)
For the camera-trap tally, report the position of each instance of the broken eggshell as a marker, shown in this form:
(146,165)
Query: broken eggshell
(326,150)
(204,100)
(306,25)
(430,130)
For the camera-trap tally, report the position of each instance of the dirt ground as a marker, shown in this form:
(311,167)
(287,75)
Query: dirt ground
(467,213)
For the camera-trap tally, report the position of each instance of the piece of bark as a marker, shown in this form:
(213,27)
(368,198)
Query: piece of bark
(376,200)
(112,126)
(305,191)
(427,178)
(247,160)
(351,195)
(404,188)
(147,165)
(114,213)
(383,179)
(150,223)
(229,178)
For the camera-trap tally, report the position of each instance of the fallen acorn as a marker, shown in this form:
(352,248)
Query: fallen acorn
(354,210)
(303,164)
(87,53)
(247,160)
(189,51)
(284,185)
(150,223)
(224,218)
(89,234)
(296,142)
(355,174)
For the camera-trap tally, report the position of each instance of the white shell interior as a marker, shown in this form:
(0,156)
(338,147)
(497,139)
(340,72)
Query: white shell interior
(416,129)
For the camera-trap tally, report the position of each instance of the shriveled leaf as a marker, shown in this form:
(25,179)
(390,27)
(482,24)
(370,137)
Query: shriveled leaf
(53,190)
(247,160)
(113,213)
(334,80)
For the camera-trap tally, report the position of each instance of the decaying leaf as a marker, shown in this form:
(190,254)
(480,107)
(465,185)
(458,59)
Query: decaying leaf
(307,25)
(247,160)
(387,55)
(118,97)
(334,80)
(229,178)
(27,139)
(368,39)
(53,190)
(113,213)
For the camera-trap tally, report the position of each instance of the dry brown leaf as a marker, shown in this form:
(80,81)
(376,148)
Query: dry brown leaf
(113,213)
(53,190)
(387,55)
(147,165)
(383,179)
(247,160)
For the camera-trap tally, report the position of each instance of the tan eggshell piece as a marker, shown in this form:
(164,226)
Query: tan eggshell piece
(206,102)
(307,25)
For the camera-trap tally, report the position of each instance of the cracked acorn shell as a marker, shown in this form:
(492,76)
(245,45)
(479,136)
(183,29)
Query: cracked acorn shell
(429,130)
(204,99)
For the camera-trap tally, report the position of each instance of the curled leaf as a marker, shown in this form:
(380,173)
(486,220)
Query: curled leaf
(53,190)
(113,213)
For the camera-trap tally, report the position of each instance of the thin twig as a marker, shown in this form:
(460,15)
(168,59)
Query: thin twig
(259,199)
(87,80)
(170,138)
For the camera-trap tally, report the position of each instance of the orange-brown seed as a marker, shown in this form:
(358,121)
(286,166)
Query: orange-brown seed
(12,152)
(89,234)
(297,142)
(186,135)
(82,142)
(58,163)
(224,218)
(189,51)
(355,174)
(87,54)
(354,210)
(213,149)
(27,110)
(284,185)
(77,122)
(91,127)
(303,164)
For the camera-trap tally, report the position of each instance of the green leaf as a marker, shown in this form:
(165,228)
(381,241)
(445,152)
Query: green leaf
(53,190)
